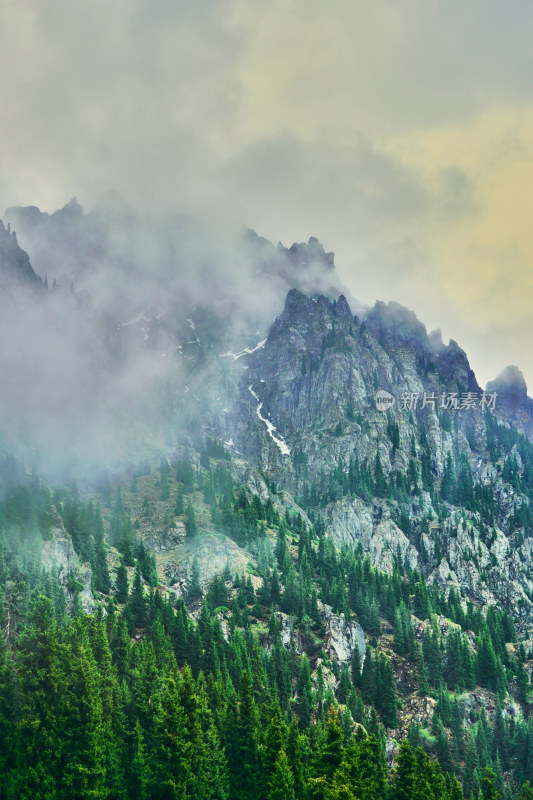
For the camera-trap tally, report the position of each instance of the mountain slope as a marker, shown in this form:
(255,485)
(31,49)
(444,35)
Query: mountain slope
(288,578)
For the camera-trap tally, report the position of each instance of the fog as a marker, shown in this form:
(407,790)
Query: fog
(397,134)
(99,361)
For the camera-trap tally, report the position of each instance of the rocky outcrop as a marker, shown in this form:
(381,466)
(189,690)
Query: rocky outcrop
(212,553)
(513,403)
(352,521)
(58,556)
(15,269)
(342,637)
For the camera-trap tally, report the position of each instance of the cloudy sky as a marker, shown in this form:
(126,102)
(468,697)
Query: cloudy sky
(400,132)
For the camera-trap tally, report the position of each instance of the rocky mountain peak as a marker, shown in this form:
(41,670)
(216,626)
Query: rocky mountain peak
(510,382)
(15,267)
(513,401)
(70,211)
(393,325)
(304,255)
(342,309)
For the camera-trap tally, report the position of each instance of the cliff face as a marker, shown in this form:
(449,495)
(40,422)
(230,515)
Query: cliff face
(320,368)
(15,268)
(59,557)
(305,412)
(513,402)
(436,476)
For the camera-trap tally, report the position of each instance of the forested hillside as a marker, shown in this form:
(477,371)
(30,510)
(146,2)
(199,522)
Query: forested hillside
(250,685)
(225,571)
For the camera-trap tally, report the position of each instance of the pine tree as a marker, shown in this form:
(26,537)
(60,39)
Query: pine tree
(294,750)
(486,665)
(102,581)
(332,748)
(470,773)
(488,786)
(272,746)
(8,704)
(443,749)
(454,662)
(190,521)
(423,686)
(406,773)
(355,666)
(305,695)
(247,733)
(121,584)
(386,692)
(82,730)
(368,681)
(138,775)
(195,590)
(282,783)
(169,758)
(136,605)
(179,508)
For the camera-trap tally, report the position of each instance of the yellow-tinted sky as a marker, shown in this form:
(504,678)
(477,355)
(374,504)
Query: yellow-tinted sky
(400,132)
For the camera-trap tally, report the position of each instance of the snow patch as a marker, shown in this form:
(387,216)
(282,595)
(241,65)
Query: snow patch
(245,352)
(278,440)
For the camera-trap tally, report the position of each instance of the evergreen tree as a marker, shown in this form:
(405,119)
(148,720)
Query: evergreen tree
(179,508)
(195,589)
(282,783)
(136,605)
(121,584)
(305,695)
(247,738)
(331,752)
(190,521)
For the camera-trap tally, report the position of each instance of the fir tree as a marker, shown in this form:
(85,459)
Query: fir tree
(121,584)
(136,605)
(282,784)
(190,521)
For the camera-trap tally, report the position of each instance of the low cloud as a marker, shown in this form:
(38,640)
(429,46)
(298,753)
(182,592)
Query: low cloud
(399,134)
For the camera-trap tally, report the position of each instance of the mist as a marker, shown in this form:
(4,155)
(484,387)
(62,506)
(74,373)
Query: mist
(399,136)
(125,341)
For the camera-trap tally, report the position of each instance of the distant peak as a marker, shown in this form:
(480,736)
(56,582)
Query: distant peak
(71,210)
(303,255)
(394,324)
(24,217)
(509,380)
(342,309)
(296,301)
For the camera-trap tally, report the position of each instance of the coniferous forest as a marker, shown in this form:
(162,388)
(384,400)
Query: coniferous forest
(228,572)
(266,532)
(207,696)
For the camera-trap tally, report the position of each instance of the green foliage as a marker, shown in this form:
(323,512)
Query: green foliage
(189,708)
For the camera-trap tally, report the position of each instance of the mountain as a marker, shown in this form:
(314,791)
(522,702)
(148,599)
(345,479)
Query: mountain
(15,268)
(514,402)
(300,542)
